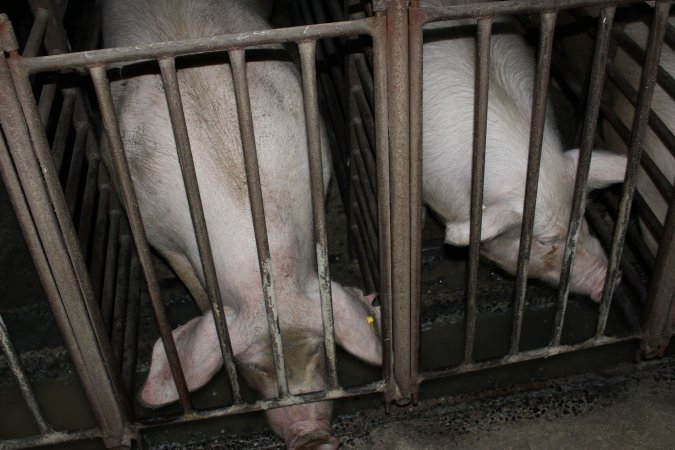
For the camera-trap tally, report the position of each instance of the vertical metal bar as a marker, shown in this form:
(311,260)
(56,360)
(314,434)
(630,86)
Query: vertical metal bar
(37,33)
(174,102)
(399,196)
(68,292)
(647,82)
(477,177)
(131,330)
(121,294)
(21,378)
(312,124)
(238,65)
(112,250)
(88,200)
(383,205)
(75,169)
(98,253)
(597,78)
(63,127)
(46,101)
(548,20)
(123,176)
(659,322)
(415,36)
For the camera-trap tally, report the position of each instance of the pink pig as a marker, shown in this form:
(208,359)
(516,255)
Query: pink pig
(210,112)
(448,104)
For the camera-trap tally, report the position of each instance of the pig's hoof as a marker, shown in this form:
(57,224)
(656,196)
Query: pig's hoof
(315,441)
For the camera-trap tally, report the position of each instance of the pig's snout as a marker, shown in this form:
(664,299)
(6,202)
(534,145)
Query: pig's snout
(310,435)
(596,295)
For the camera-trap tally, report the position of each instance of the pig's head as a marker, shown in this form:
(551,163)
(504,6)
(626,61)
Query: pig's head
(501,233)
(302,426)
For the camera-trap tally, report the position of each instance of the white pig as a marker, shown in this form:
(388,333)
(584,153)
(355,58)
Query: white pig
(448,105)
(663,106)
(279,123)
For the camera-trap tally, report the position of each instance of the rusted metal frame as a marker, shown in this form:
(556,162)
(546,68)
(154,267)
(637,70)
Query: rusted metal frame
(245,118)
(19,374)
(502,8)
(121,293)
(51,438)
(37,33)
(68,295)
(172,91)
(126,188)
(594,91)
(539,353)
(382,156)
(548,20)
(131,329)
(659,322)
(264,405)
(63,127)
(75,168)
(398,83)
(647,83)
(416,21)
(194,46)
(111,254)
(312,125)
(637,54)
(98,253)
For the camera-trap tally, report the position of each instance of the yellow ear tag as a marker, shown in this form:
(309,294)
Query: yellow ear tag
(371,322)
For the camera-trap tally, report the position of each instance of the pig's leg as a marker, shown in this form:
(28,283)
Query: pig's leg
(186,272)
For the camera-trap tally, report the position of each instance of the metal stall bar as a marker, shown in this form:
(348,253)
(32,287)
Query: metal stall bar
(647,83)
(131,331)
(112,250)
(62,288)
(548,20)
(415,52)
(180,132)
(383,207)
(307,55)
(37,33)
(477,177)
(398,82)
(605,22)
(121,293)
(123,176)
(238,66)
(75,169)
(17,368)
(659,323)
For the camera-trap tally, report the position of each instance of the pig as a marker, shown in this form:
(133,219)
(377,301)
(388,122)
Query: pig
(279,127)
(663,105)
(448,106)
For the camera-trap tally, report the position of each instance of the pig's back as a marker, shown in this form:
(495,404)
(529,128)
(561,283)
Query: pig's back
(210,111)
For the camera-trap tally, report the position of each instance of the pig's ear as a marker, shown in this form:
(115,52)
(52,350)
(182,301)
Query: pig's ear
(357,323)
(606,168)
(497,218)
(199,353)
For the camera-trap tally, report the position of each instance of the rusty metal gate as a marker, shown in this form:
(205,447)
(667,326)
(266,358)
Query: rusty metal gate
(90,252)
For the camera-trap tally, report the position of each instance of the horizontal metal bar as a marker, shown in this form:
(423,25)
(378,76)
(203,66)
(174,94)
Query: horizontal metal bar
(191,46)
(464,11)
(264,405)
(184,150)
(540,353)
(51,438)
